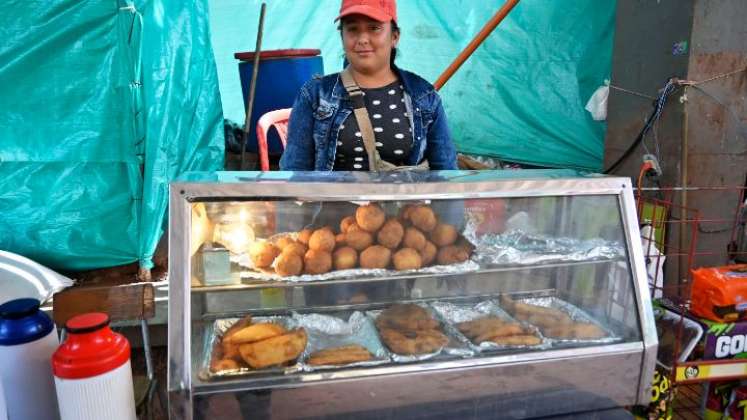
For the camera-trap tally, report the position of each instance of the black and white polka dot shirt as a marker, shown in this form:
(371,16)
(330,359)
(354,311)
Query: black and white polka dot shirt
(391,125)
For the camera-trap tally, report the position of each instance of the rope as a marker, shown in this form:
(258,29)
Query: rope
(632,92)
(720,76)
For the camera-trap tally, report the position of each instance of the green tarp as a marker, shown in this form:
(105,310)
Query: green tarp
(103,103)
(521,97)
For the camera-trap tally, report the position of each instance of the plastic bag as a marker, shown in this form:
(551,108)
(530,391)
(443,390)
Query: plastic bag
(597,104)
(720,293)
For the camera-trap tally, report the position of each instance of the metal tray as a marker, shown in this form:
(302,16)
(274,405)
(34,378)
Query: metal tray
(215,331)
(454,313)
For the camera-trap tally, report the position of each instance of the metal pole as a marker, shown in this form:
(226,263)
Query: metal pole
(683,183)
(252,86)
(476,42)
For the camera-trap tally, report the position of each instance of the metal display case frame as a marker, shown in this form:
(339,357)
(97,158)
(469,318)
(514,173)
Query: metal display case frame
(618,372)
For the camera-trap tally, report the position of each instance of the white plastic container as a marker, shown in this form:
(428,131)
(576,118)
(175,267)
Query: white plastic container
(92,371)
(27,341)
(3,411)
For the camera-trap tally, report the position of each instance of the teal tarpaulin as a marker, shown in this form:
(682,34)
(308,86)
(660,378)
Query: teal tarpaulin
(103,103)
(521,97)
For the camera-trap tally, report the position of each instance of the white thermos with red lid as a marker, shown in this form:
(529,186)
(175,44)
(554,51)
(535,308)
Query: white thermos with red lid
(92,371)
(27,340)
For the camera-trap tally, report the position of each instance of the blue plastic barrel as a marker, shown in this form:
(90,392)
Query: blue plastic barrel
(281,75)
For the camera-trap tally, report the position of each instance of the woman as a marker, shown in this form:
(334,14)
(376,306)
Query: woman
(405,112)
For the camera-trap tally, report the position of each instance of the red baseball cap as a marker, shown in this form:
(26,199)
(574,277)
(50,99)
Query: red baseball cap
(381,10)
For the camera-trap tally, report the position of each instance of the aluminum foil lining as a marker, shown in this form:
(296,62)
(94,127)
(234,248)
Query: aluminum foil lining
(245,261)
(215,331)
(328,331)
(454,313)
(517,247)
(455,346)
(577,315)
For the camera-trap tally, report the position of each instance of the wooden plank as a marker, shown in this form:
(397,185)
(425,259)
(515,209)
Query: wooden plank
(125,302)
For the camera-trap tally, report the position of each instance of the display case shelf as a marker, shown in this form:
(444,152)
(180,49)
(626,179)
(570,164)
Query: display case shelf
(266,284)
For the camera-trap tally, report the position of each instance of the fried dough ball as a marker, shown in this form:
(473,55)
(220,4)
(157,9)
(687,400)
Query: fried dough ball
(354,227)
(407,259)
(296,248)
(451,255)
(428,253)
(423,218)
(391,234)
(346,223)
(345,258)
(322,240)
(305,235)
(370,217)
(404,214)
(464,244)
(444,234)
(284,242)
(414,239)
(263,253)
(317,262)
(358,239)
(289,264)
(375,256)
(340,240)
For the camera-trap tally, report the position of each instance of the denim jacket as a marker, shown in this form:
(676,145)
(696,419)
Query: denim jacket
(323,105)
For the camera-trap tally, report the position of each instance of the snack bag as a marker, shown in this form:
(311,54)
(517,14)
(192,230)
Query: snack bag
(662,396)
(738,406)
(717,399)
(720,293)
(489,215)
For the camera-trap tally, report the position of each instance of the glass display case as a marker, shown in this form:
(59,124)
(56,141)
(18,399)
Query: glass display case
(453,294)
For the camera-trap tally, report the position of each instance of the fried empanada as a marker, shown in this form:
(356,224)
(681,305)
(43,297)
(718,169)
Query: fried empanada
(256,332)
(340,356)
(274,351)
(413,342)
(517,340)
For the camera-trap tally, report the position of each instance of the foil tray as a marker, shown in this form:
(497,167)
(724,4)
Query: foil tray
(454,313)
(215,331)
(577,315)
(455,346)
(335,330)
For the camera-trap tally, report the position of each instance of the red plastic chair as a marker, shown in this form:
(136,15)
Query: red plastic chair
(278,119)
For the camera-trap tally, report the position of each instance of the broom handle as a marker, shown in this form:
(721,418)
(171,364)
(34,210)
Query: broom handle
(253,86)
(476,42)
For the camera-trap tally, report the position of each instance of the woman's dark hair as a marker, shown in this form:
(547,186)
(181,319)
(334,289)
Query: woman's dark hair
(395,29)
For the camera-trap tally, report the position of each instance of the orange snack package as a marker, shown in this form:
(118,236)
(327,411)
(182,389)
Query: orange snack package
(720,293)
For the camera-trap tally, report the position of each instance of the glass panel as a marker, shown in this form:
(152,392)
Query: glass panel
(557,264)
